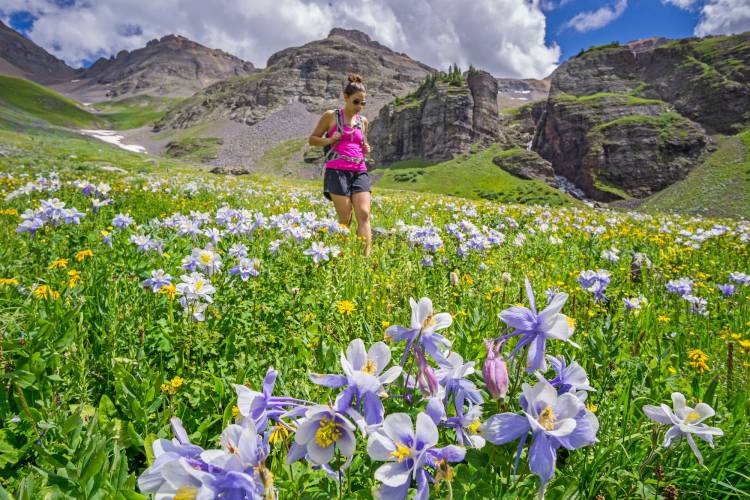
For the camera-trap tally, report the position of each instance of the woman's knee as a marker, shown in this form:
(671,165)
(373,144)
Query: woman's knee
(362,214)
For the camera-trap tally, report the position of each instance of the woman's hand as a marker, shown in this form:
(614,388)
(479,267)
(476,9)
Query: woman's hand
(366,148)
(336,137)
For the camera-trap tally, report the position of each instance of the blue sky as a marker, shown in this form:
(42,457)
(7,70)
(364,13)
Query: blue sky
(509,38)
(641,19)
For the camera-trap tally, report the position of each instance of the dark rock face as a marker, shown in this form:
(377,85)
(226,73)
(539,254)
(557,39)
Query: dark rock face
(609,145)
(526,165)
(313,74)
(706,80)
(171,65)
(629,120)
(21,57)
(438,121)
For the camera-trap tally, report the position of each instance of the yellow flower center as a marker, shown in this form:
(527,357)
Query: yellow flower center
(428,321)
(370,368)
(692,417)
(474,427)
(186,493)
(571,323)
(198,285)
(328,432)
(205,258)
(547,418)
(402,452)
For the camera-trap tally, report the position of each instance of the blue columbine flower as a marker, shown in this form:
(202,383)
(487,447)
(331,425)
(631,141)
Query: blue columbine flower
(452,375)
(685,422)
(535,328)
(157,280)
(364,378)
(407,451)
(553,420)
(262,406)
(422,331)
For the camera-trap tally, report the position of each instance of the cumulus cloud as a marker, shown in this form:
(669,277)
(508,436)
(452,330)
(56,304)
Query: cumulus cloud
(724,17)
(595,19)
(505,37)
(682,4)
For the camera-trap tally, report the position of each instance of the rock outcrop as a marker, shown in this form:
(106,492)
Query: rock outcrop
(526,165)
(628,121)
(21,57)
(313,74)
(172,65)
(443,117)
(617,146)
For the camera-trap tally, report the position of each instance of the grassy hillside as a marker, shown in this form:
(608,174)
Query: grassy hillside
(136,111)
(471,175)
(23,102)
(720,187)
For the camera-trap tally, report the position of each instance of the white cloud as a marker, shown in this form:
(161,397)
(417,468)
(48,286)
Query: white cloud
(548,5)
(724,17)
(595,19)
(505,37)
(682,4)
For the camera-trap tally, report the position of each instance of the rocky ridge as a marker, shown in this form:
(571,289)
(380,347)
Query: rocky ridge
(312,74)
(447,114)
(172,65)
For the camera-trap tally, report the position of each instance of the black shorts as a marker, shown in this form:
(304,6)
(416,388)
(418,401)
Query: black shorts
(345,182)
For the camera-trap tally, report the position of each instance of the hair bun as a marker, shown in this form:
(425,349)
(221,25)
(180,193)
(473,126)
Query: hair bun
(355,78)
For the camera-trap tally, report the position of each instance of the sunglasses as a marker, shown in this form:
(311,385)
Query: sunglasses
(357,102)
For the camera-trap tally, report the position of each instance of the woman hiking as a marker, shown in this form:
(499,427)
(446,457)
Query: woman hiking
(343,135)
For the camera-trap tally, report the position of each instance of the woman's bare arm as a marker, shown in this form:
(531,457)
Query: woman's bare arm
(316,138)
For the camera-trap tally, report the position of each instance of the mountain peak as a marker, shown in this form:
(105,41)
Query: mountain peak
(355,36)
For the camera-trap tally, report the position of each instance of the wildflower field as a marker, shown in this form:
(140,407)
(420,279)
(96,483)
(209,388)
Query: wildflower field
(199,336)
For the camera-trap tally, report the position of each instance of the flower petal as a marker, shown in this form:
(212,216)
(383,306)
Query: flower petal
(327,380)
(427,432)
(657,414)
(380,354)
(504,428)
(380,447)
(397,426)
(520,318)
(542,457)
(393,473)
(356,354)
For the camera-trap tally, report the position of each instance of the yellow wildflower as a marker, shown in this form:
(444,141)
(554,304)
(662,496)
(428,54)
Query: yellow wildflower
(345,307)
(75,277)
(279,434)
(176,382)
(8,281)
(592,407)
(169,290)
(45,292)
(81,255)
(663,319)
(699,359)
(59,264)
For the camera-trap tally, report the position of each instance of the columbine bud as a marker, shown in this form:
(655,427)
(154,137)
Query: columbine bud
(495,372)
(426,379)
(454,278)
(506,277)
(295,291)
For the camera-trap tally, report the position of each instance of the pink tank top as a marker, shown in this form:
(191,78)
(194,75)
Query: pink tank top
(350,144)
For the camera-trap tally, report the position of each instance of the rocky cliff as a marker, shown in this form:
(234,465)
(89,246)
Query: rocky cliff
(172,65)
(21,57)
(313,74)
(627,121)
(444,116)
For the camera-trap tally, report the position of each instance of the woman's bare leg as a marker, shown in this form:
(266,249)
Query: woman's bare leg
(361,202)
(343,206)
